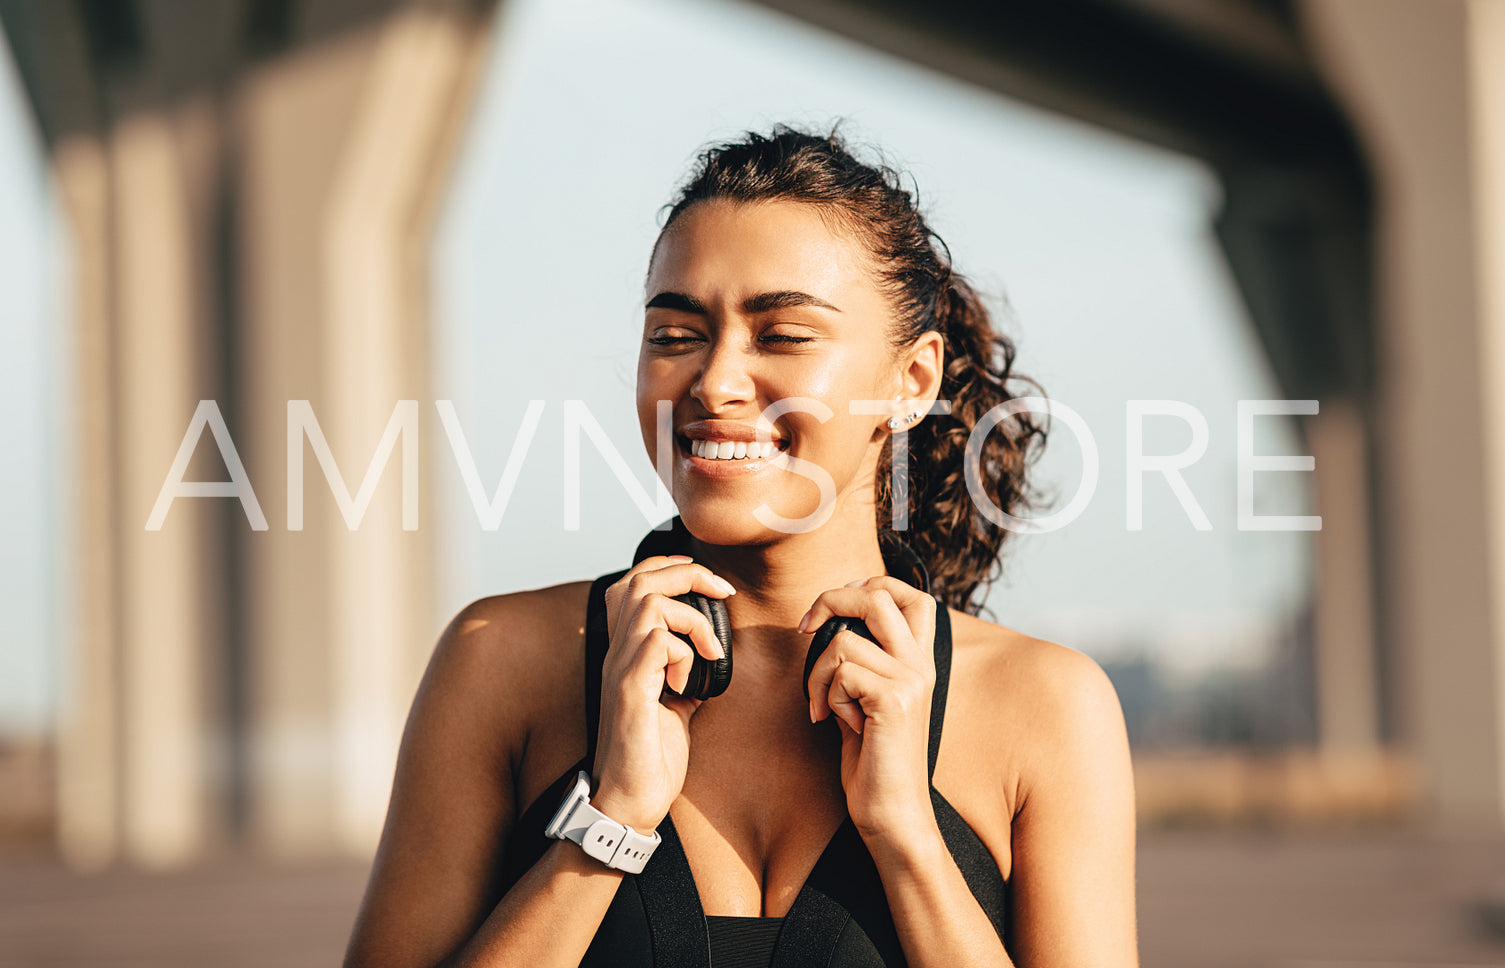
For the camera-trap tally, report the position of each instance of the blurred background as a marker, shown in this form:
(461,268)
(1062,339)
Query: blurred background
(212,211)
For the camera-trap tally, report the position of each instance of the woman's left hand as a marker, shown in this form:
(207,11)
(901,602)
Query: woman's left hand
(880,694)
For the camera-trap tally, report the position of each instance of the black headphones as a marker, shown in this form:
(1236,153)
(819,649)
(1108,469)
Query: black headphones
(710,678)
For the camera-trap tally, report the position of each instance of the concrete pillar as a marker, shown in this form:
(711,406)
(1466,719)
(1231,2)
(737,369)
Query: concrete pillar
(251,230)
(137,738)
(167,577)
(88,770)
(1422,80)
(344,151)
(1347,688)
(291,116)
(376,352)
(1486,84)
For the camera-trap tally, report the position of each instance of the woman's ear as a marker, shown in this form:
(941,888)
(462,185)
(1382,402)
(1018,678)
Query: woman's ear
(921,368)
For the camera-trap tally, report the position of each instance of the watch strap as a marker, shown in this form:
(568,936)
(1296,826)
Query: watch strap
(614,844)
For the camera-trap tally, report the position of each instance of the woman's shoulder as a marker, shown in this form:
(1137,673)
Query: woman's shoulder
(514,619)
(1049,700)
(1006,661)
(513,654)
(518,633)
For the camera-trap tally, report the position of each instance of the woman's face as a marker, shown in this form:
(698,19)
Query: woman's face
(757,305)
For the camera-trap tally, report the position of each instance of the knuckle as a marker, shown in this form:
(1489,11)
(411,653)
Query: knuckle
(907,700)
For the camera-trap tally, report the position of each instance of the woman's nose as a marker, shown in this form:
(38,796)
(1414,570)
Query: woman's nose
(724,378)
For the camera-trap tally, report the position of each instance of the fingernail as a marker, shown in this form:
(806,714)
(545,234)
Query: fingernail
(856,584)
(680,558)
(725,585)
(804,620)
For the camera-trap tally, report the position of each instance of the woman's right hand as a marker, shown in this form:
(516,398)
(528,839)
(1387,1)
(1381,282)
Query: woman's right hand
(643,742)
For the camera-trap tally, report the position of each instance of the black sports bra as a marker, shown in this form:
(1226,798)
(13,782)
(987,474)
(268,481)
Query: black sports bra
(742,942)
(839,919)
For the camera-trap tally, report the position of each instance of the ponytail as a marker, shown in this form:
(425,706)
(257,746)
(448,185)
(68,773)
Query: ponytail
(958,543)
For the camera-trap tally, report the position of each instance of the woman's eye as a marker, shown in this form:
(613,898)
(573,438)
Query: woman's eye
(667,340)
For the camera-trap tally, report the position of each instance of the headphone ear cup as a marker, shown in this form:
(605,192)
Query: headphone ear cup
(709,678)
(822,641)
(719,672)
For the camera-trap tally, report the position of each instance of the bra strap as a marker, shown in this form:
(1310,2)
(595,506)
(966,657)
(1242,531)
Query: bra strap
(659,541)
(671,903)
(597,640)
(942,680)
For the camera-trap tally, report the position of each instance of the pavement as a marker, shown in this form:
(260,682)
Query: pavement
(1207,899)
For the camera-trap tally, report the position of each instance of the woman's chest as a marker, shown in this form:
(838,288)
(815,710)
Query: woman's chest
(755,814)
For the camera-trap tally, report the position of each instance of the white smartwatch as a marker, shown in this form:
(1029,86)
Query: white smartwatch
(614,844)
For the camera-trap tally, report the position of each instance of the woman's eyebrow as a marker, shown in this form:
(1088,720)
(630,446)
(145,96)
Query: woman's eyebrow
(761,303)
(676,300)
(766,301)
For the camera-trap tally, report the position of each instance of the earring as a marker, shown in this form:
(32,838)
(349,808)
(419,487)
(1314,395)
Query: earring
(899,423)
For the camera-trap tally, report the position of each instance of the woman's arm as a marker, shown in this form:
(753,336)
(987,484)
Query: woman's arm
(881,694)
(1072,876)
(1049,739)
(452,805)
(500,669)
(1073,836)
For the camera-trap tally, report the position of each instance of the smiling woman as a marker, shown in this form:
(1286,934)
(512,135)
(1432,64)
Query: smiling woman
(560,799)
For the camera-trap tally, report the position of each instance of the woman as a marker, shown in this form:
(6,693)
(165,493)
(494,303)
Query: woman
(798,320)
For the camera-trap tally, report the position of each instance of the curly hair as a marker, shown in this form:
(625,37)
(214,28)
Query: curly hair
(958,544)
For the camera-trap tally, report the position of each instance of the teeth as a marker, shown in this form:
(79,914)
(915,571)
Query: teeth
(732,450)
